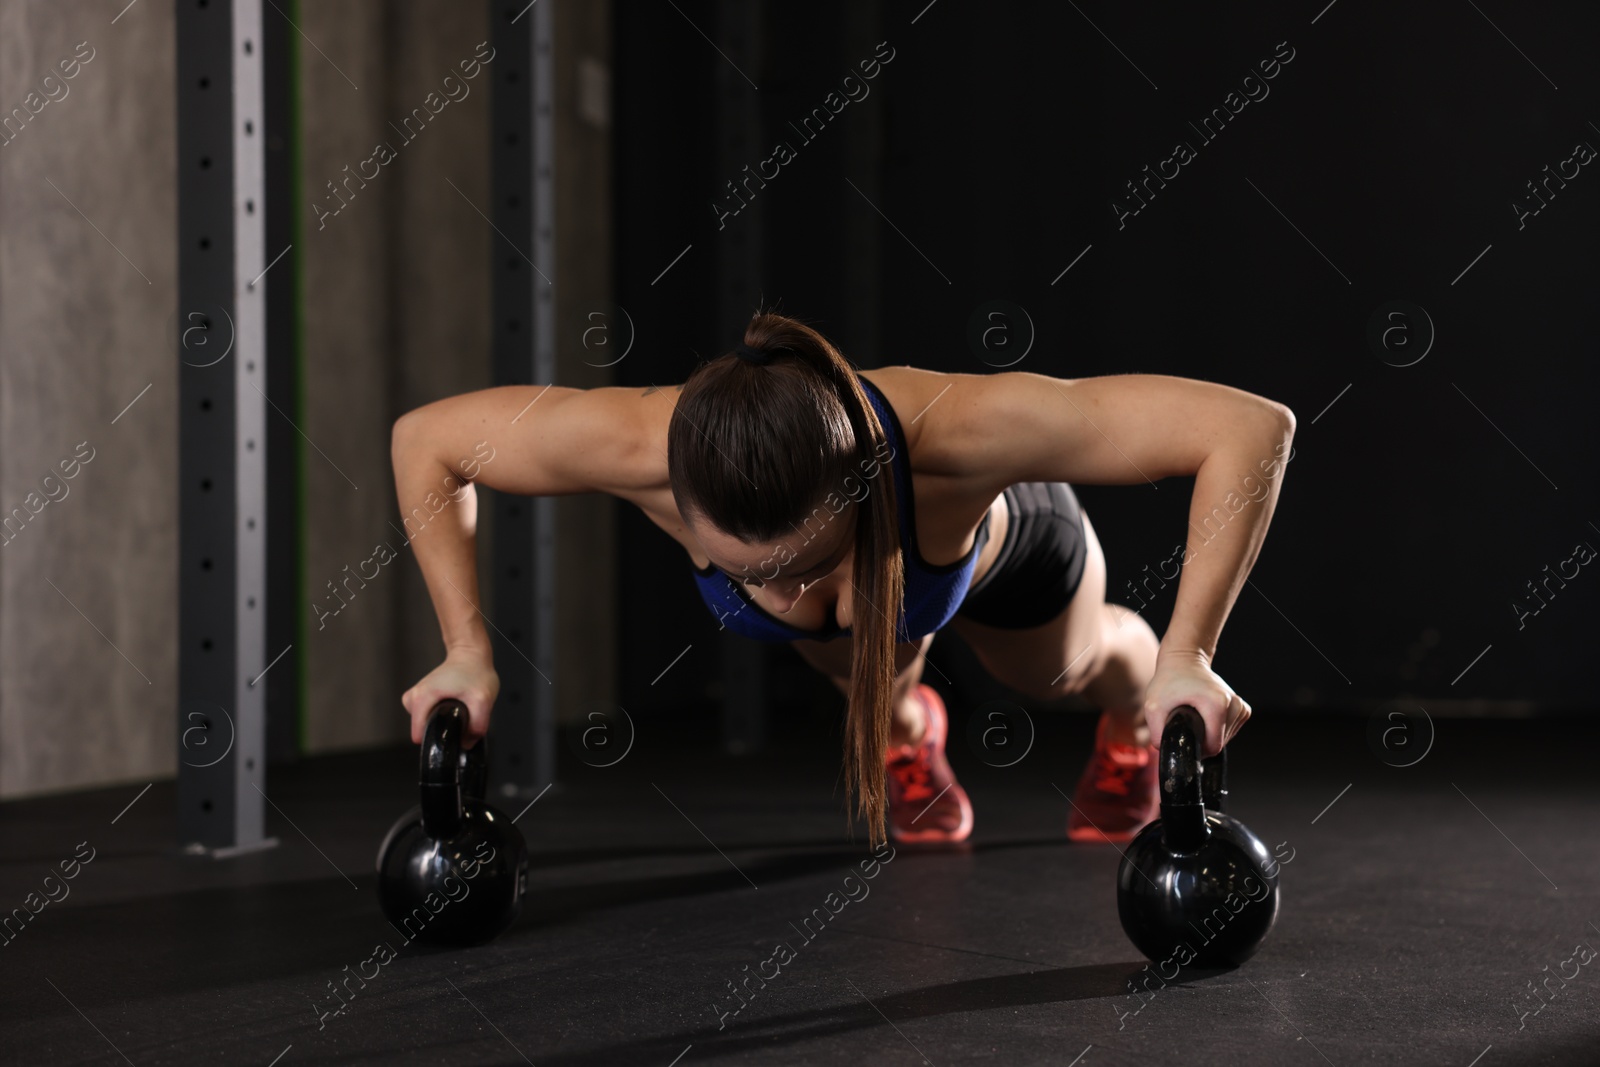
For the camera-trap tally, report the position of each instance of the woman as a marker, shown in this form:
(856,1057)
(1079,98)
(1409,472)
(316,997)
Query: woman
(812,499)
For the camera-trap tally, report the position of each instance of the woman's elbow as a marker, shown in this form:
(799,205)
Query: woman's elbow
(408,430)
(1283,419)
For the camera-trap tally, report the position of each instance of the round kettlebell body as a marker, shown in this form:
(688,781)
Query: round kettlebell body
(464,890)
(453,870)
(1208,908)
(1196,887)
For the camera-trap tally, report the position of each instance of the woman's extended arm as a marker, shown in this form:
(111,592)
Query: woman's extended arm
(1235,492)
(438,509)
(1132,429)
(531,440)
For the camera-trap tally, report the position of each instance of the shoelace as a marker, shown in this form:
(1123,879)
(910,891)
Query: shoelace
(912,774)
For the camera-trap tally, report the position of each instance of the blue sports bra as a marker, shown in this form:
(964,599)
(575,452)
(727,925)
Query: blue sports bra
(932,593)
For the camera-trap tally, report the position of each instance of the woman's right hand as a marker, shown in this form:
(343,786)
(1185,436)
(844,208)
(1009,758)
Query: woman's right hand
(467,676)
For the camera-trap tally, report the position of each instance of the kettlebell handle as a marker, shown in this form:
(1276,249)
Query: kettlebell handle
(1214,782)
(1185,790)
(446,772)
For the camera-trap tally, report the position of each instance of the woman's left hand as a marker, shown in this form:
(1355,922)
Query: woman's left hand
(1187,678)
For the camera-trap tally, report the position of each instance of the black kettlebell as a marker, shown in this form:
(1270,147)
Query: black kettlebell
(1196,887)
(453,870)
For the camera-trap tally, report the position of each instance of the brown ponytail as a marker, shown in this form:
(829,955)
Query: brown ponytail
(753,449)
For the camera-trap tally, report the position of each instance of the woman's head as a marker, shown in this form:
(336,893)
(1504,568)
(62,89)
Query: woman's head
(808,553)
(781,470)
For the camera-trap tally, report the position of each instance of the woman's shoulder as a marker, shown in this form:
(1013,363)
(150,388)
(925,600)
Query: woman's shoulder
(909,390)
(912,392)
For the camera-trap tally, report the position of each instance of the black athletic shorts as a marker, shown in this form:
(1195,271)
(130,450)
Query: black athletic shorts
(1040,562)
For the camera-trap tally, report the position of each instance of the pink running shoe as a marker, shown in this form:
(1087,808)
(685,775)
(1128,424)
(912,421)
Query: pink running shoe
(1119,793)
(926,803)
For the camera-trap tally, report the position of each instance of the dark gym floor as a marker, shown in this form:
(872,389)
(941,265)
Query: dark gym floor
(1417,910)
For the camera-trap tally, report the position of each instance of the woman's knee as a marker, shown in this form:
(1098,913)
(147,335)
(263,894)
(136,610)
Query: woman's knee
(1122,647)
(1083,667)
(1129,659)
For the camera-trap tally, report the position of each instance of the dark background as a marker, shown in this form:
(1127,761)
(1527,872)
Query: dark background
(1396,141)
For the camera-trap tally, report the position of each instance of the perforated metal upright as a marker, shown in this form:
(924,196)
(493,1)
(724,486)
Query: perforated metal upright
(524,272)
(222,373)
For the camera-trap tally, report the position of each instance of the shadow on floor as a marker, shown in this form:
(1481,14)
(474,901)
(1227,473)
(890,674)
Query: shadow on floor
(736,1035)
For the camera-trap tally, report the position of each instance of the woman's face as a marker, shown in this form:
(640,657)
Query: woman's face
(786,568)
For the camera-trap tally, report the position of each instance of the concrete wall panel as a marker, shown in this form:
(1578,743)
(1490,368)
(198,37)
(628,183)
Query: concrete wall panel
(395,269)
(586,594)
(88,289)
(350,334)
(439,273)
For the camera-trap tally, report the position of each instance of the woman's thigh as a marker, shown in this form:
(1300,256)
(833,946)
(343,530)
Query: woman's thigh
(1058,657)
